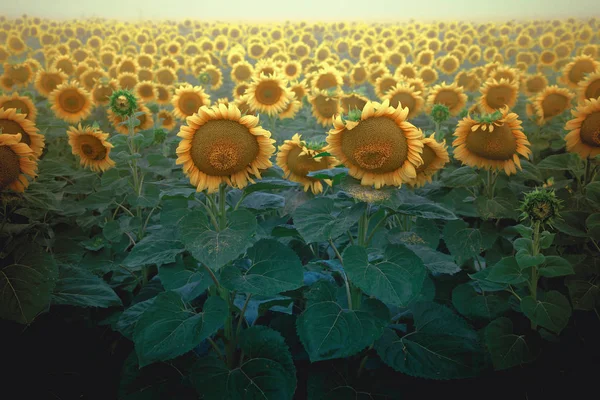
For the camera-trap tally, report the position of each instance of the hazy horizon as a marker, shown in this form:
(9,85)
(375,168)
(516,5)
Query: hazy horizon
(328,10)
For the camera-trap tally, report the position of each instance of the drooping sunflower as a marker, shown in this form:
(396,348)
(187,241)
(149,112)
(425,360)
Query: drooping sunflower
(167,119)
(188,99)
(491,143)
(584,129)
(13,123)
(575,71)
(145,120)
(16,163)
(550,102)
(268,94)
(22,104)
(382,148)
(325,106)
(589,87)
(47,80)
(435,156)
(452,96)
(403,96)
(70,102)
(91,146)
(297,160)
(220,146)
(497,94)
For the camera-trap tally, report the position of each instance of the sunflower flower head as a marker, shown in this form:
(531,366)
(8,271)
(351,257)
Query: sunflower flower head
(540,206)
(123,103)
(440,113)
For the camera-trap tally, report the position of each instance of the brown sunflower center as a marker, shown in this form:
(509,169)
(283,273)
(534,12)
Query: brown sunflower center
(301,165)
(327,108)
(580,69)
(497,145)
(386,84)
(290,70)
(243,73)
(359,74)
(499,96)
(223,147)
(146,91)
(449,98)
(554,104)
(11,127)
(71,100)
(20,74)
(590,130)
(376,144)
(50,82)
(535,85)
(403,99)
(189,103)
(9,166)
(92,148)
(17,104)
(326,81)
(268,93)
(592,91)
(428,157)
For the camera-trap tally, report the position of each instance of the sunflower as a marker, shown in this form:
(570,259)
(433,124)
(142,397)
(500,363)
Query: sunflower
(188,99)
(383,84)
(533,84)
(550,102)
(242,71)
(70,102)
(163,93)
(327,78)
(291,110)
(165,76)
(268,94)
(297,160)
(435,156)
(325,106)
(469,81)
(14,123)
(449,64)
(429,75)
(167,119)
(352,101)
(584,129)
(215,75)
(64,64)
(575,71)
(145,120)
(405,96)
(90,145)
(491,145)
(497,94)
(103,90)
(589,87)
(243,105)
(16,163)
(452,96)
(221,146)
(16,45)
(425,58)
(382,148)
(21,74)
(22,104)
(47,80)
(406,71)
(292,70)
(358,75)
(145,91)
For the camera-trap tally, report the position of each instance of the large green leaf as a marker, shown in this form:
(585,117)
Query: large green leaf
(158,248)
(170,328)
(396,279)
(507,270)
(328,331)
(555,266)
(585,295)
(130,317)
(550,310)
(263,201)
(463,242)
(78,287)
(217,248)
(185,277)
(506,348)
(435,261)
(408,203)
(267,372)
(564,162)
(274,268)
(318,220)
(476,305)
(26,283)
(462,177)
(443,346)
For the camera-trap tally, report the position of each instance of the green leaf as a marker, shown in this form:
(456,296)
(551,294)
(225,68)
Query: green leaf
(506,348)
(274,268)
(217,248)
(78,287)
(26,284)
(435,261)
(559,162)
(130,317)
(263,201)
(463,242)
(495,208)
(551,310)
(155,249)
(474,305)
(443,346)
(318,220)
(169,328)
(508,271)
(572,223)
(462,177)
(409,203)
(585,295)
(269,184)
(396,279)
(555,266)
(335,174)
(268,371)
(524,256)
(546,239)
(329,331)
(186,278)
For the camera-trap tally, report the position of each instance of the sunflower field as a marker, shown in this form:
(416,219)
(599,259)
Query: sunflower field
(298,210)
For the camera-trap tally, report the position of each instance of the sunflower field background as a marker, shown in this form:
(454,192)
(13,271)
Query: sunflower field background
(299,210)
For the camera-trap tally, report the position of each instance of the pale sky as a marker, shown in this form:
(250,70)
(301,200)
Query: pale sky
(321,10)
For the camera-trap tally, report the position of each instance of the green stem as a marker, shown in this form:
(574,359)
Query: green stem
(363,227)
(212,275)
(363,362)
(241,318)
(230,341)
(222,204)
(377,226)
(534,271)
(346,280)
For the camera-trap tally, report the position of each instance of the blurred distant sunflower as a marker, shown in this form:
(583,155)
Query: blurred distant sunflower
(299,89)
(297,160)
(16,163)
(291,110)
(497,94)
(70,102)
(589,87)
(425,58)
(584,129)
(403,96)
(167,119)
(452,96)
(358,75)
(325,106)
(352,101)
(575,71)
(383,148)
(127,80)
(242,71)
(145,91)
(145,74)
(384,84)
(292,70)
(165,76)
(507,73)
(243,105)
(468,80)
(163,93)
(13,123)
(90,145)
(327,78)
(435,156)
(102,91)
(216,77)
(550,102)
(16,45)
(493,143)
(449,64)
(533,83)
(407,70)
(65,64)
(47,80)
(268,94)
(265,67)
(220,146)
(22,104)
(89,78)
(21,74)
(188,99)
(429,75)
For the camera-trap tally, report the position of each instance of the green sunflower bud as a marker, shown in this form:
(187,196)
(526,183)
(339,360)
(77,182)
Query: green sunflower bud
(540,206)
(440,113)
(123,103)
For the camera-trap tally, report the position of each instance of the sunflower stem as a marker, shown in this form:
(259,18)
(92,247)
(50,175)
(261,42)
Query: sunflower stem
(222,204)
(534,272)
(346,280)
